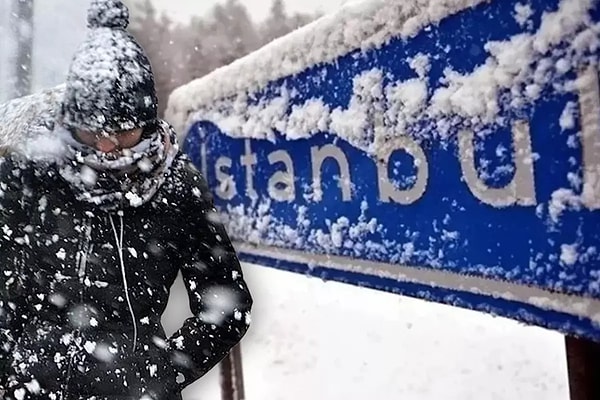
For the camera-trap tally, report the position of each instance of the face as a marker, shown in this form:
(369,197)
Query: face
(110,142)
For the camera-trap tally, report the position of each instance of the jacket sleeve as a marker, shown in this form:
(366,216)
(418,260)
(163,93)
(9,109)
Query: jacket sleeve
(218,296)
(12,221)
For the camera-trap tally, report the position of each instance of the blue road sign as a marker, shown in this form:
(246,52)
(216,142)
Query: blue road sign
(457,163)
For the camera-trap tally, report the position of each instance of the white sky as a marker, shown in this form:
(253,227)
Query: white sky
(181,10)
(60,28)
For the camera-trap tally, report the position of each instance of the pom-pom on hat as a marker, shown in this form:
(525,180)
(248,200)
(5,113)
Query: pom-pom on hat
(108,14)
(110,84)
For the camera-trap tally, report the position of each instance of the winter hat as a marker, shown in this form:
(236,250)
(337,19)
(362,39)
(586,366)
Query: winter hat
(110,84)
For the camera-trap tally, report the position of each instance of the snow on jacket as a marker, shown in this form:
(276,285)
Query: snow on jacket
(82,290)
(29,116)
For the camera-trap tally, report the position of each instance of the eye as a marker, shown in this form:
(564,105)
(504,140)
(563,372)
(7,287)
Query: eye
(131,132)
(128,139)
(86,137)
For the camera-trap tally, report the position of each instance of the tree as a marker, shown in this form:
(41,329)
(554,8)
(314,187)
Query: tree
(277,23)
(182,52)
(22,28)
(153,32)
(232,33)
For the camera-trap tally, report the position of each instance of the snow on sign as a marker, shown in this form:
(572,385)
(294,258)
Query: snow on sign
(444,150)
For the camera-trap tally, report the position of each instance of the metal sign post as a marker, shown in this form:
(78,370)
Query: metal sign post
(583,362)
(232,377)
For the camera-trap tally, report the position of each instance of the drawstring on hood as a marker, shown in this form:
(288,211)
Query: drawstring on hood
(119,243)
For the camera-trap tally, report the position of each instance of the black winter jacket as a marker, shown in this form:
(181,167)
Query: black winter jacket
(82,291)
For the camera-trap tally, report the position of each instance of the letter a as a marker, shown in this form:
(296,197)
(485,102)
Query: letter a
(282,178)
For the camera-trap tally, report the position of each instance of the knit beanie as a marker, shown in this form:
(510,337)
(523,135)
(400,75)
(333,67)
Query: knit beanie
(110,84)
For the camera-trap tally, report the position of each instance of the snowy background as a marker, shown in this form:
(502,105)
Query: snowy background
(258,9)
(311,339)
(59,27)
(316,340)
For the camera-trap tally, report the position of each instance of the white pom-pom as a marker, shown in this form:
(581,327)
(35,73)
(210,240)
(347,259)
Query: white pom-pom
(108,14)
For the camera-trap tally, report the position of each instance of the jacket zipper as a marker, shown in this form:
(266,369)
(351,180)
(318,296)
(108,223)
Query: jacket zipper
(81,260)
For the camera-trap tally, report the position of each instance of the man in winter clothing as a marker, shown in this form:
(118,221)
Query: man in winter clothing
(93,235)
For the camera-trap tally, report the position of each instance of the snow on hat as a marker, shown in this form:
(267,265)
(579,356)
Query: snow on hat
(110,84)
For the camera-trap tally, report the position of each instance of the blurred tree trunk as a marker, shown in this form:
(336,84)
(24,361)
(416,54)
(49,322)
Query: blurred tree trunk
(180,52)
(22,28)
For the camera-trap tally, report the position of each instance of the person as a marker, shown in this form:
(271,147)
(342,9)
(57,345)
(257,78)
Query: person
(93,236)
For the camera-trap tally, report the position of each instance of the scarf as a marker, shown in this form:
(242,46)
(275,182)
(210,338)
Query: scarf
(128,180)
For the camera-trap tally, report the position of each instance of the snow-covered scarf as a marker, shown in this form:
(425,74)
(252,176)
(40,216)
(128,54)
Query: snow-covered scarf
(131,179)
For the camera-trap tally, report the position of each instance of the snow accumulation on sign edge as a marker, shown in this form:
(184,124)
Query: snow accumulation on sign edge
(514,76)
(358,25)
(521,66)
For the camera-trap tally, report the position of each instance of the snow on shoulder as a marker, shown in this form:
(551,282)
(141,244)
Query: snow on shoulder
(29,116)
